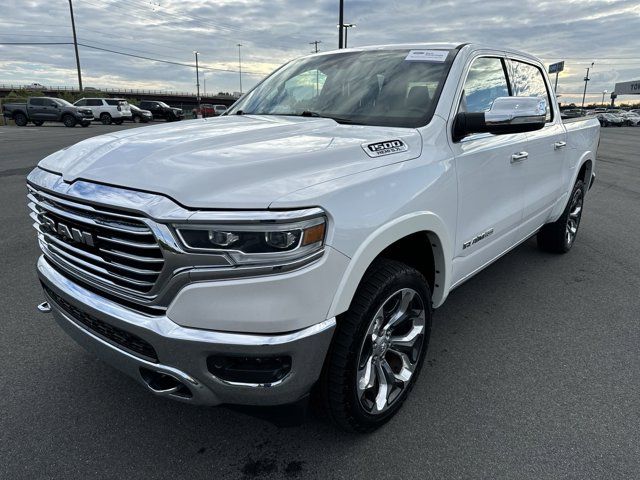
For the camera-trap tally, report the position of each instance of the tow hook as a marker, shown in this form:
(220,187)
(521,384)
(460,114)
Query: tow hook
(44,307)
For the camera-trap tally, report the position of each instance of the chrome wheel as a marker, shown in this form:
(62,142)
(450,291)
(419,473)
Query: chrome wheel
(390,351)
(573,220)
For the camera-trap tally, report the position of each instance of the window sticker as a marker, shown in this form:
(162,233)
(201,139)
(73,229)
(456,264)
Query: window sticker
(436,56)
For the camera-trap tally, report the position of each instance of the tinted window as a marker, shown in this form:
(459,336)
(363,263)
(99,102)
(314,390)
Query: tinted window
(371,87)
(80,103)
(485,82)
(527,81)
(94,102)
(112,102)
(37,102)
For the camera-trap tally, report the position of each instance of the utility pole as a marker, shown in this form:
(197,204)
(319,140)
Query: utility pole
(586,80)
(75,44)
(316,42)
(340,23)
(204,82)
(198,83)
(347,26)
(240,67)
(604,92)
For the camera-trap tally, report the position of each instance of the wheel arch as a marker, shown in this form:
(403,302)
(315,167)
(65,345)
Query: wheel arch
(424,227)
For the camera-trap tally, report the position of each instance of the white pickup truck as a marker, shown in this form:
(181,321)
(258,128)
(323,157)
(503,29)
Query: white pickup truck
(303,239)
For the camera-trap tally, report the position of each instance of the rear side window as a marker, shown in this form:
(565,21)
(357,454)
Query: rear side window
(112,102)
(528,81)
(485,82)
(38,102)
(94,102)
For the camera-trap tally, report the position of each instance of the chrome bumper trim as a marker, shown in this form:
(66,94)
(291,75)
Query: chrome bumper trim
(182,352)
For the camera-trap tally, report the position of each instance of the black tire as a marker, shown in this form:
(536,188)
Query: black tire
(85,124)
(137,119)
(106,119)
(69,121)
(338,386)
(20,119)
(559,236)
(38,123)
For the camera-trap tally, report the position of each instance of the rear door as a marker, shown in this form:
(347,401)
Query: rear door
(490,175)
(547,148)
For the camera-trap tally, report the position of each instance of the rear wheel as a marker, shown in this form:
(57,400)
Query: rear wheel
(69,121)
(20,119)
(559,236)
(105,118)
(378,347)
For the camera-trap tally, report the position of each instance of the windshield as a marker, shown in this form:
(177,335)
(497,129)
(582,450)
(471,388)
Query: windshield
(62,102)
(162,104)
(377,87)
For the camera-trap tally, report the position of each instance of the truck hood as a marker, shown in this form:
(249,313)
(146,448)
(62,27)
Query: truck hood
(231,162)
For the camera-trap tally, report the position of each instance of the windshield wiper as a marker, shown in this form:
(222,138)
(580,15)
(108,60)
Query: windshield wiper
(309,113)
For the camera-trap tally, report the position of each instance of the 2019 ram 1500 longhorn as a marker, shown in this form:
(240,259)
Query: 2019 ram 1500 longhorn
(47,109)
(304,238)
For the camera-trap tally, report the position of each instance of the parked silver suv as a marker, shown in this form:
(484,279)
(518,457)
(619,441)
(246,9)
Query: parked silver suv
(107,110)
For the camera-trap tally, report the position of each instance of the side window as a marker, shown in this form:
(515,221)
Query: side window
(112,102)
(94,102)
(80,103)
(37,102)
(528,81)
(485,82)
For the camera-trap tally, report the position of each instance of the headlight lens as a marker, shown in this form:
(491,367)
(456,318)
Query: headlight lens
(257,243)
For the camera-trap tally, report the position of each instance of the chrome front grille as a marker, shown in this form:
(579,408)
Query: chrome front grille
(112,249)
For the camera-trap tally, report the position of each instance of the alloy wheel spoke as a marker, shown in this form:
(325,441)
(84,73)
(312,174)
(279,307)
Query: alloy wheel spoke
(402,310)
(384,385)
(407,366)
(409,338)
(367,375)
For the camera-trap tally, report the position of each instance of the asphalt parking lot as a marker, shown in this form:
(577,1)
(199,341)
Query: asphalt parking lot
(533,369)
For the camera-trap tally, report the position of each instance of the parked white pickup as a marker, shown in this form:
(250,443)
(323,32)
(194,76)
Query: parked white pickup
(304,237)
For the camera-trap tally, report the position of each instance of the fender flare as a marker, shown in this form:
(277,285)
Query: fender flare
(386,235)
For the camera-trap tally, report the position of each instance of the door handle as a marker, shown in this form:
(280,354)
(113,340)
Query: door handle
(519,157)
(559,145)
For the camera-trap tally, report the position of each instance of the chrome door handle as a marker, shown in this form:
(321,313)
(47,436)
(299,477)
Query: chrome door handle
(559,145)
(519,157)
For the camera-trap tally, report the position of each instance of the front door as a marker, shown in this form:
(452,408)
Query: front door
(490,176)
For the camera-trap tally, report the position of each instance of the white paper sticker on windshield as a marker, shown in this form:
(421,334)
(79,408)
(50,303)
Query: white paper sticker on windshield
(437,56)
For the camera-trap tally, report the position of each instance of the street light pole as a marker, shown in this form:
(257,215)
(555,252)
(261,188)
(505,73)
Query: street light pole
(586,80)
(340,23)
(347,26)
(198,82)
(240,67)
(75,44)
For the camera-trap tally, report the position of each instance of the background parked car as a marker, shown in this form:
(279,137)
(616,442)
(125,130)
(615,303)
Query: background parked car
(46,109)
(36,86)
(139,115)
(107,110)
(209,110)
(610,120)
(162,110)
(631,119)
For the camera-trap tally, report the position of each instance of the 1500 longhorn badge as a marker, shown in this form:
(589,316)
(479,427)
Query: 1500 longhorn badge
(71,234)
(477,238)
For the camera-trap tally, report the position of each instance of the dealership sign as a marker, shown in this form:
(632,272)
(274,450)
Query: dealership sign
(556,67)
(628,88)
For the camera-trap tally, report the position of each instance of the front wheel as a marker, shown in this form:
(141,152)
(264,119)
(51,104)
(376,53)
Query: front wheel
(559,236)
(378,347)
(69,121)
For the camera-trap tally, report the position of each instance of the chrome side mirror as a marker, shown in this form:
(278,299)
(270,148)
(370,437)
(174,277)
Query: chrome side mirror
(506,115)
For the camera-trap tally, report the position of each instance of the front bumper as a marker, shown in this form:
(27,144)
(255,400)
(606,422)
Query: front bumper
(182,352)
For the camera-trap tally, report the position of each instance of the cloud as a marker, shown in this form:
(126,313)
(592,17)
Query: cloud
(275,31)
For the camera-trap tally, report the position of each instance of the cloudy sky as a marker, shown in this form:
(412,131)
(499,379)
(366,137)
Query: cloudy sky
(274,31)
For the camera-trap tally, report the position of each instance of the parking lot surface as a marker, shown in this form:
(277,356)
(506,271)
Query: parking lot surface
(532,372)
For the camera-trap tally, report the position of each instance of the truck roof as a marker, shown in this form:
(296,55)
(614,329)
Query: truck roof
(436,46)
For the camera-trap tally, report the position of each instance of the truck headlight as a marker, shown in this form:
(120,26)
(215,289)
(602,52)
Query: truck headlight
(263,242)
